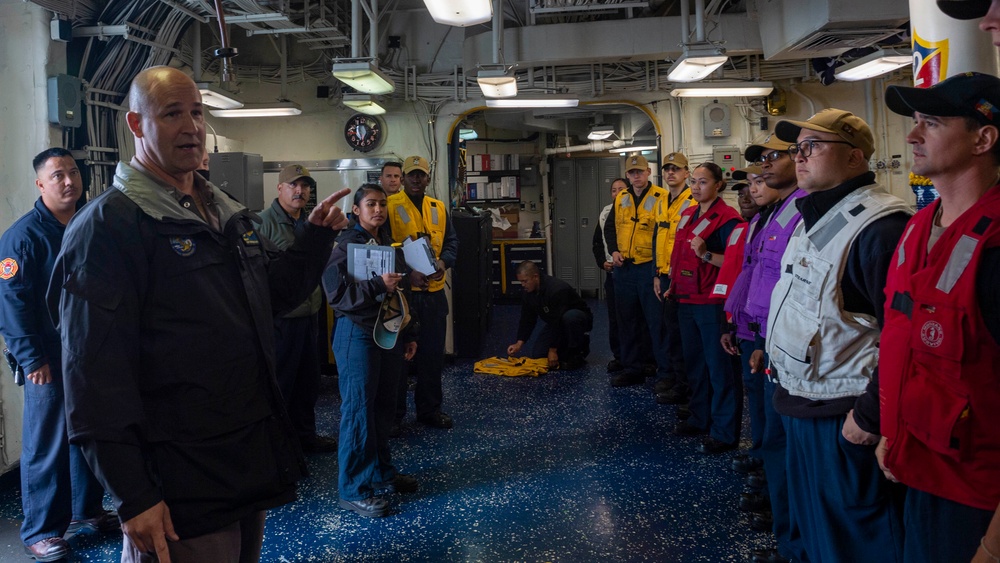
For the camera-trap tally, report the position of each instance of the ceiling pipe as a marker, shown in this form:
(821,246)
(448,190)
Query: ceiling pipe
(373,30)
(685,22)
(284,68)
(497,30)
(196,47)
(225,52)
(699,20)
(593,146)
(355,28)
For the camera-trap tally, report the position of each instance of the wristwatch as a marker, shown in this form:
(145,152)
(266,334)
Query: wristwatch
(707,257)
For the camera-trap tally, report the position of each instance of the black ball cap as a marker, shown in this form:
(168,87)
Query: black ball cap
(970,94)
(964,9)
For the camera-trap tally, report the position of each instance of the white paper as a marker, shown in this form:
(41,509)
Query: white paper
(418,256)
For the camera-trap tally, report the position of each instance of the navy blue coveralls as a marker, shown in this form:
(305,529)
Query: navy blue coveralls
(56,484)
(368,375)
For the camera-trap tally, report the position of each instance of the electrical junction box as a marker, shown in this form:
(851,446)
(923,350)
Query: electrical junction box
(60,30)
(716,120)
(241,175)
(728,159)
(65,100)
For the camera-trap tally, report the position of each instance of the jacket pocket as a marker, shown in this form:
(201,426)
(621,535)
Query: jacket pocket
(936,414)
(794,348)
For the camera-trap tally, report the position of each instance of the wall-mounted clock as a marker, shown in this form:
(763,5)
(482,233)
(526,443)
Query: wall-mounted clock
(363,132)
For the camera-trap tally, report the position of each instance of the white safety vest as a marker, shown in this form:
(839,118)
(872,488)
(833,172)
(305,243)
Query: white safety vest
(820,351)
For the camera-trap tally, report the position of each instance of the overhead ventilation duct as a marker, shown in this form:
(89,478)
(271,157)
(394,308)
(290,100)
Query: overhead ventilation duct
(805,29)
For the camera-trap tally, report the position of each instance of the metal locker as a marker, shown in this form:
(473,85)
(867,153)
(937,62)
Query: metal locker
(565,238)
(588,187)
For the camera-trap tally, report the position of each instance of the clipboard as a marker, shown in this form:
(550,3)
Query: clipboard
(365,261)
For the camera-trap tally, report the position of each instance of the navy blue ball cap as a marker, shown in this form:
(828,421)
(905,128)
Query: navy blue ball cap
(964,9)
(970,94)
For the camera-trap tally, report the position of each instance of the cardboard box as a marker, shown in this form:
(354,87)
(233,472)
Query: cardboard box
(507,233)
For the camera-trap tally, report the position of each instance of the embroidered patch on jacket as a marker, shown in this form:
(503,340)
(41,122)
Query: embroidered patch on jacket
(250,238)
(182,246)
(8,268)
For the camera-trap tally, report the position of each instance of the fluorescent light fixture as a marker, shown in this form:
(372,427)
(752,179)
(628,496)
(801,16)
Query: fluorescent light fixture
(364,76)
(364,103)
(875,64)
(213,96)
(467,134)
(696,63)
(633,148)
(274,109)
(601,132)
(497,84)
(723,90)
(544,102)
(460,13)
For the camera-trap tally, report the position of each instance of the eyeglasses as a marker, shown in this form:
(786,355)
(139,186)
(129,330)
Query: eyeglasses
(770,157)
(806,147)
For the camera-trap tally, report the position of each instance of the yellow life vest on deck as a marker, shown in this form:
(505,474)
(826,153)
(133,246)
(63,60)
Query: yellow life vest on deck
(512,367)
(668,213)
(408,222)
(635,221)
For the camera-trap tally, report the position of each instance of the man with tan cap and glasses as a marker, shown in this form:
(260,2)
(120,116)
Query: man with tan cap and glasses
(629,235)
(823,332)
(296,357)
(414,214)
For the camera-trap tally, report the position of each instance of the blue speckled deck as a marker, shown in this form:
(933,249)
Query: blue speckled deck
(556,468)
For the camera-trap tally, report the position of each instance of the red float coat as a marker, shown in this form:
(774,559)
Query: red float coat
(692,278)
(938,379)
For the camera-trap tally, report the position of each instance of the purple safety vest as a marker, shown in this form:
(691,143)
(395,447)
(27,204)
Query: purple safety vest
(770,246)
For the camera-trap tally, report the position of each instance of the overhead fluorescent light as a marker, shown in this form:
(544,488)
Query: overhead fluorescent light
(723,90)
(601,132)
(634,148)
(875,64)
(543,102)
(364,103)
(274,109)
(696,63)
(364,76)
(497,84)
(460,13)
(213,96)
(467,134)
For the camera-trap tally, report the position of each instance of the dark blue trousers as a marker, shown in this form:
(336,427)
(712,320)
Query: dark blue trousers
(773,453)
(572,336)
(369,379)
(838,497)
(639,312)
(715,391)
(939,530)
(432,312)
(614,337)
(297,369)
(57,485)
(676,371)
(753,388)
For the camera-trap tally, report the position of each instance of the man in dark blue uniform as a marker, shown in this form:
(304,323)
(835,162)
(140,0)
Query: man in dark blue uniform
(58,490)
(554,319)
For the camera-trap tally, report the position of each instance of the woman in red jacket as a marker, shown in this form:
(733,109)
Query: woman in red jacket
(702,233)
